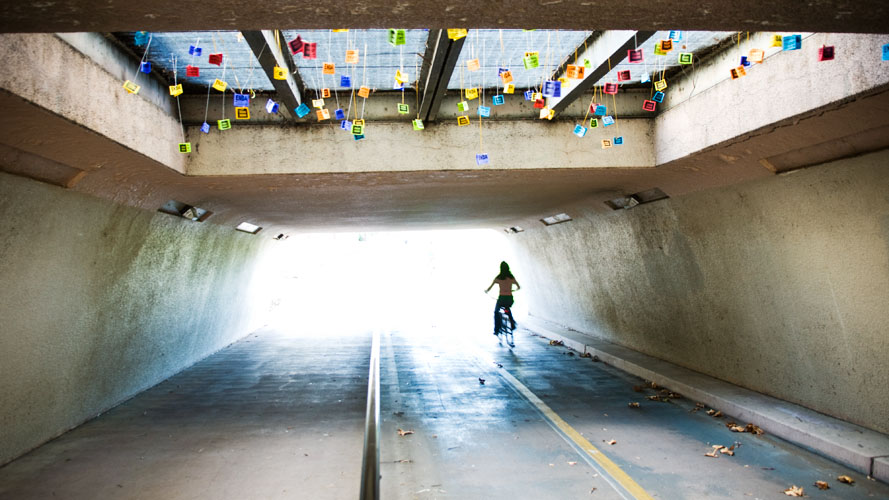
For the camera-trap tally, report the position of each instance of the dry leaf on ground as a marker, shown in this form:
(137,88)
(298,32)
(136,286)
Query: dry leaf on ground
(612,442)
(845,479)
(754,429)
(572,463)
(633,405)
(403,433)
(794,491)
(727,451)
(556,342)
(822,485)
(711,454)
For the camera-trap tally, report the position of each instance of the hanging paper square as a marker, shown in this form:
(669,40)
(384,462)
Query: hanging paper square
(666,45)
(224,124)
(471,93)
(185,147)
(357,129)
(205,128)
(194,51)
(660,85)
(557,89)
(756,55)
(635,56)
(618,140)
(886,52)
(509,89)
(456,34)
(484,111)
(318,103)
(296,45)
(644,78)
(587,64)
(734,73)
(215,59)
(401,77)
(271,106)
(359,122)
(580,130)
(606,144)
(328,68)
(744,61)
(302,110)
(531,61)
(403,109)
(397,85)
(741,71)
(462,106)
(462,120)
(192,71)
(549,87)
(339,114)
(594,122)
(574,71)
(219,85)
(346,125)
(610,88)
(131,87)
(310,50)
(472,65)
(777,40)
(658,51)
(357,137)
(141,38)
(675,35)
(352,56)
(529,95)
(340,31)
(506,76)
(145,66)
(396,37)
(240,100)
(825,53)
(792,42)
(364,92)
(418,124)
(607,120)
(482,159)
(623,76)
(658,97)
(322,114)
(649,105)
(325,93)
(242,113)
(539,104)
(498,100)
(686,57)
(345,81)
(176,90)
(600,110)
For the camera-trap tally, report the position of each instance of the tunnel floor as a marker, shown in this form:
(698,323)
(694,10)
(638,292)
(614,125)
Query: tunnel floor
(281,416)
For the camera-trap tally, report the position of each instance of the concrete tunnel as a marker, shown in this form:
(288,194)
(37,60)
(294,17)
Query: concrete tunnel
(704,264)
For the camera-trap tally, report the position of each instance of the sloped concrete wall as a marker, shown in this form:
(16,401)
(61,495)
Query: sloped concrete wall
(779,285)
(100,301)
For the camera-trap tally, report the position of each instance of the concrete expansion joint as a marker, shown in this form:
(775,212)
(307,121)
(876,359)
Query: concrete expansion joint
(862,449)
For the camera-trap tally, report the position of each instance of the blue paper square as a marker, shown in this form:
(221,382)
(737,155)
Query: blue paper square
(141,38)
(346,125)
(580,130)
(886,52)
(500,71)
(498,100)
(241,100)
(302,110)
(484,111)
(271,106)
(645,78)
(792,42)
(345,81)
(340,114)
(744,61)
(675,35)
(195,51)
(529,94)
(549,88)
(205,128)
(600,110)
(482,159)
(358,137)
(398,86)
(658,96)
(145,67)
(607,120)
(618,141)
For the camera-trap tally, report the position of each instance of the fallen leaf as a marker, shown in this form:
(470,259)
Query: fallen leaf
(737,428)
(593,490)
(822,485)
(711,412)
(674,395)
(612,442)
(845,479)
(654,386)
(794,491)
(717,447)
(572,463)
(711,454)
(727,451)
(654,398)
(586,355)
(403,433)
(699,405)
(717,414)
(754,429)
(633,405)
(556,342)
(552,465)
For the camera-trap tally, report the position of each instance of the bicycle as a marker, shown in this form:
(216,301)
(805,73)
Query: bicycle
(505,329)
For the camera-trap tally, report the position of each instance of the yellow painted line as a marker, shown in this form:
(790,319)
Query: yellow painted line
(607,466)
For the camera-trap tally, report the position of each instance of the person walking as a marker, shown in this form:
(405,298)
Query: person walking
(505,280)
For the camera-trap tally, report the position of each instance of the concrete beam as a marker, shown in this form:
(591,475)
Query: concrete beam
(433,61)
(864,16)
(270,54)
(447,53)
(607,50)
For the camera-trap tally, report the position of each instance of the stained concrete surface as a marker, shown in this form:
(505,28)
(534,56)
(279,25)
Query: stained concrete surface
(779,285)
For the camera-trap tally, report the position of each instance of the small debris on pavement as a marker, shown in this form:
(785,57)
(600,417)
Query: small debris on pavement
(403,433)
(612,442)
(593,490)
(481,381)
(822,485)
(572,463)
(794,491)
(711,454)
(556,342)
(845,479)
(633,405)
(586,355)
(638,388)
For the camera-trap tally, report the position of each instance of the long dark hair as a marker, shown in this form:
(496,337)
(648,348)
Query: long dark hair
(504,271)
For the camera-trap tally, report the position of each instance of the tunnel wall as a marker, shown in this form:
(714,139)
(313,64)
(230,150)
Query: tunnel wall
(100,301)
(780,285)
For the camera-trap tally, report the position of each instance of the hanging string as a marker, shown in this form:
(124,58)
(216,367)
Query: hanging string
(178,107)
(364,80)
(144,56)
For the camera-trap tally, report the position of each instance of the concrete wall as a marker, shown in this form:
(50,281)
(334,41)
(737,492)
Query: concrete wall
(100,301)
(780,285)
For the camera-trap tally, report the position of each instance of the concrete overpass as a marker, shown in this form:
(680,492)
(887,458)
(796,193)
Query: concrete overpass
(761,261)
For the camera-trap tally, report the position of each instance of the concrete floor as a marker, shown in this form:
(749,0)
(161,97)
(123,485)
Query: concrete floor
(279,416)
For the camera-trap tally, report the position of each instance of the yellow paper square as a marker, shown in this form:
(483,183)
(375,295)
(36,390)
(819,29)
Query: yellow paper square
(506,76)
(472,65)
(131,87)
(358,122)
(328,68)
(456,34)
(462,120)
(242,113)
(322,114)
(660,85)
(176,90)
(318,103)
(509,89)
(364,92)
(325,93)
(280,73)
(471,93)
(352,56)
(220,85)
